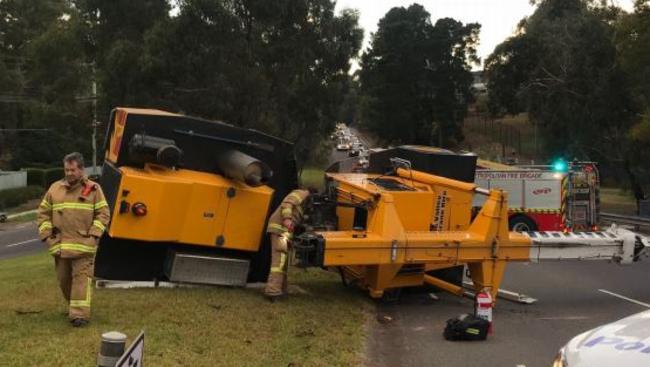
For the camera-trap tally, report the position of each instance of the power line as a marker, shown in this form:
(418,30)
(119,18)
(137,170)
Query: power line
(4,98)
(25,129)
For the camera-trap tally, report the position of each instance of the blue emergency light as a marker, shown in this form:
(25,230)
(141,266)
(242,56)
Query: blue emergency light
(560,165)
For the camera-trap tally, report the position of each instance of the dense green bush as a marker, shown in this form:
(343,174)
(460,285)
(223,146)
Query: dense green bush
(52,175)
(43,177)
(35,176)
(14,197)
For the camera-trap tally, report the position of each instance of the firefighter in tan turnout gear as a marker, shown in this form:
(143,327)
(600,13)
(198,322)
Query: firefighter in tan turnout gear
(281,225)
(71,218)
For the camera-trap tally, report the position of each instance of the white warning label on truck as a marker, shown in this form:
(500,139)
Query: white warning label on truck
(515,175)
(439,213)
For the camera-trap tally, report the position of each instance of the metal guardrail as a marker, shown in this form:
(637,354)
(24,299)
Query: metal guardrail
(625,219)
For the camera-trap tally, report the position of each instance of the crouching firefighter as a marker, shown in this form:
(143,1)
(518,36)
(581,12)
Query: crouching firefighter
(71,218)
(281,226)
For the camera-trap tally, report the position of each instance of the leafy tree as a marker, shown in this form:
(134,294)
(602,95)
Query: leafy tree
(632,38)
(562,68)
(114,41)
(280,66)
(44,82)
(415,79)
(22,21)
(507,69)
(348,111)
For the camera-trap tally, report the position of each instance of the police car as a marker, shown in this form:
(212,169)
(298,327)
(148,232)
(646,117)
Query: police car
(625,342)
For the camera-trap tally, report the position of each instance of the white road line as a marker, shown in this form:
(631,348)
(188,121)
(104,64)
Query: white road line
(22,243)
(624,298)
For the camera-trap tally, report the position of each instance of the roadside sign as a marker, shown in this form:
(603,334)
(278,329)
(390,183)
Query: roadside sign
(133,357)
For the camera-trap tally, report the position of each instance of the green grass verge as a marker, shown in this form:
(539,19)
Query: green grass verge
(217,326)
(313,177)
(484,137)
(617,201)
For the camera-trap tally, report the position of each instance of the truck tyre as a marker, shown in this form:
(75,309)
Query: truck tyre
(521,223)
(3,218)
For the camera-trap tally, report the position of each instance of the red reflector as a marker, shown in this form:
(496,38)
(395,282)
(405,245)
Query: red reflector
(139,209)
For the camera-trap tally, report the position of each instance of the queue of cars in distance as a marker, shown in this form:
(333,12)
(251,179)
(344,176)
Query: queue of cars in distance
(346,141)
(342,145)
(625,342)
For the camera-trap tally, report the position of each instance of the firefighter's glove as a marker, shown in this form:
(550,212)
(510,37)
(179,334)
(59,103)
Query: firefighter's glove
(288,224)
(53,240)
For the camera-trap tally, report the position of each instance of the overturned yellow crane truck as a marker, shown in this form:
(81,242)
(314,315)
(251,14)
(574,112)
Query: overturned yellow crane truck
(390,230)
(189,198)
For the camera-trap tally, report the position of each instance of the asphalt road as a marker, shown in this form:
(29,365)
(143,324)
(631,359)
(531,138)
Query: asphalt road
(336,155)
(19,239)
(569,302)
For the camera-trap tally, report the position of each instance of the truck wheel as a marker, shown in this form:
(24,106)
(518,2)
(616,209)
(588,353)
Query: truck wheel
(521,223)
(3,218)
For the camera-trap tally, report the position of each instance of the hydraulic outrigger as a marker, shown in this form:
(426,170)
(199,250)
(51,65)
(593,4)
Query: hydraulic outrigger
(393,230)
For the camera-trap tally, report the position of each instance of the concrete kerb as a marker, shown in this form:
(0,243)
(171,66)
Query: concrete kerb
(21,214)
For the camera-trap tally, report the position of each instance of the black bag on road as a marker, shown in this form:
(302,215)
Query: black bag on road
(466,327)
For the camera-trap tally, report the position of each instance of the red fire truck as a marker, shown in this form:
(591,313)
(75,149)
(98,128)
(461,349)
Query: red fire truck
(560,197)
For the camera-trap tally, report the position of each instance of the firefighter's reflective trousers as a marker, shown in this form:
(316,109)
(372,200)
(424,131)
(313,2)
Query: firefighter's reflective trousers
(75,280)
(276,285)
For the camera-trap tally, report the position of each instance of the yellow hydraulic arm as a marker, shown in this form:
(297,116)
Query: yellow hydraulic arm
(392,230)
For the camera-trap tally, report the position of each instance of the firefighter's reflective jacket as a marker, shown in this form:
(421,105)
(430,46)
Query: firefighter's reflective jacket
(291,208)
(71,219)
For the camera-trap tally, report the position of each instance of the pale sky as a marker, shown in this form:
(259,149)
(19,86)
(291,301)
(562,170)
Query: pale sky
(498,18)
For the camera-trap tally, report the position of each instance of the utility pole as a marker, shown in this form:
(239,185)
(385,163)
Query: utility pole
(94,138)
(536,144)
